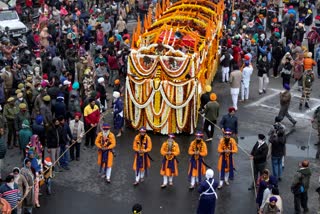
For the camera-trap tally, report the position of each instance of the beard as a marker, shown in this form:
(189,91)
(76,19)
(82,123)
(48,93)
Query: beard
(141,138)
(226,140)
(198,141)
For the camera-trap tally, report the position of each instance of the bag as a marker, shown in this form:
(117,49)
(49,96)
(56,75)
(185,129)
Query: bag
(298,189)
(308,80)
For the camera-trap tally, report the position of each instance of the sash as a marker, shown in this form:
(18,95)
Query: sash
(170,165)
(194,165)
(210,188)
(224,166)
(142,160)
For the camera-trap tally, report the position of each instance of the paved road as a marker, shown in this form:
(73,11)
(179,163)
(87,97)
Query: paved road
(81,191)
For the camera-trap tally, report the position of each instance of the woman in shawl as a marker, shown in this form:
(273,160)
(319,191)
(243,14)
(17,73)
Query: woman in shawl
(35,146)
(44,35)
(23,186)
(28,173)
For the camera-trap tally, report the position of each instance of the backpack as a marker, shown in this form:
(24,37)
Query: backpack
(308,80)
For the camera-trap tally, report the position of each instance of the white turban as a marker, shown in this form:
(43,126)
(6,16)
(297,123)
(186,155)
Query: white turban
(209,173)
(101,80)
(116,94)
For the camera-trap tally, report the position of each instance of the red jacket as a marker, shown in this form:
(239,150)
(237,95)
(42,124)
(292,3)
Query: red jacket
(113,62)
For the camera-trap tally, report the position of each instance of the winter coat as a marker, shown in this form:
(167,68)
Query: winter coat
(118,119)
(230,122)
(270,210)
(24,137)
(60,109)
(285,98)
(45,111)
(259,154)
(278,145)
(27,173)
(21,116)
(205,98)
(3,148)
(263,68)
(53,137)
(302,176)
(211,110)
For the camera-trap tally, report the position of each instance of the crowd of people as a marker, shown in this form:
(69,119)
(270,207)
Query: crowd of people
(52,103)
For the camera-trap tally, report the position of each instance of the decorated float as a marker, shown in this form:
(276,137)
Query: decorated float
(173,56)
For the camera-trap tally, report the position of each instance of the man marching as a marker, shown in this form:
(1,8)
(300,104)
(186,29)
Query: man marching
(142,144)
(227,147)
(169,150)
(105,142)
(197,150)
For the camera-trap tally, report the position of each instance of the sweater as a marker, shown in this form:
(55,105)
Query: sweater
(211,110)
(308,64)
(10,195)
(230,122)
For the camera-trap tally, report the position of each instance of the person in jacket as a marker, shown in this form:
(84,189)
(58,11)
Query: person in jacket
(60,108)
(286,72)
(307,80)
(9,112)
(142,145)
(48,175)
(29,175)
(77,131)
(285,99)
(39,130)
(227,148)
(300,186)
(105,143)
(208,195)
(22,115)
(245,81)
(230,121)
(235,83)
(23,186)
(271,207)
(64,143)
(259,155)
(101,89)
(114,68)
(45,110)
(197,150)
(3,151)
(263,73)
(264,185)
(225,61)
(278,145)
(54,140)
(118,119)
(266,199)
(91,118)
(169,167)
(10,192)
(211,114)
(24,136)
(205,97)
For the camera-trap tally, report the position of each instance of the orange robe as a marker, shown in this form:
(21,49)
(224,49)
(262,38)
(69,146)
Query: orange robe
(169,167)
(146,146)
(103,145)
(202,148)
(232,147)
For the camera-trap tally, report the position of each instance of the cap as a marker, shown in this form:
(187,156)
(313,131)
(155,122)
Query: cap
(261,137)
(105,126)
(171,135)
(46,98)
(273,198)
(10,99)
(20,85)
(19,95)
(48,161)
(227,131)
(213,97)
(142,129)
(66,82)
(29,78)
(22,106)
(18,91)
(75,86)
(199,134)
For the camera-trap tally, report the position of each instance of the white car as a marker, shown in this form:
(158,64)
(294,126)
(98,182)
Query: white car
(10,22)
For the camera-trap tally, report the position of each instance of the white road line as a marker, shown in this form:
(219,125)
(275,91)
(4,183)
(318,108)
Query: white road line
(258,102)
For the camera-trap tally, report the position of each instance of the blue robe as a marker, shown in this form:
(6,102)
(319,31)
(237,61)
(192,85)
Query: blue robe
(118,120)
(207,203)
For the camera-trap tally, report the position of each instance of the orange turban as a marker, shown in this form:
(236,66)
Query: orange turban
(213,97)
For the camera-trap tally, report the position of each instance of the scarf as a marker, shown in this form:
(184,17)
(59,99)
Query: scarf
(225,157)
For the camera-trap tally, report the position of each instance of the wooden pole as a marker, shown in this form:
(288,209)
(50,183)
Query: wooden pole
(232,6)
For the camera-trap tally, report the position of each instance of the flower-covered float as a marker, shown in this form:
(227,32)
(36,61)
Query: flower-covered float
(170,63)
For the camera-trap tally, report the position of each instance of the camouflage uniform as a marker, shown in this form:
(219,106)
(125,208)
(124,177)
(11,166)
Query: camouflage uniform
(306,89)
(9,112)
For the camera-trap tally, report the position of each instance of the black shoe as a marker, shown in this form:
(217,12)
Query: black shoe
(260,93)
(279,179)
(251,188)
(264,91)
(72,159)
(300,106)
(306,105)
(318,155)
(77,159)
(317,143)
